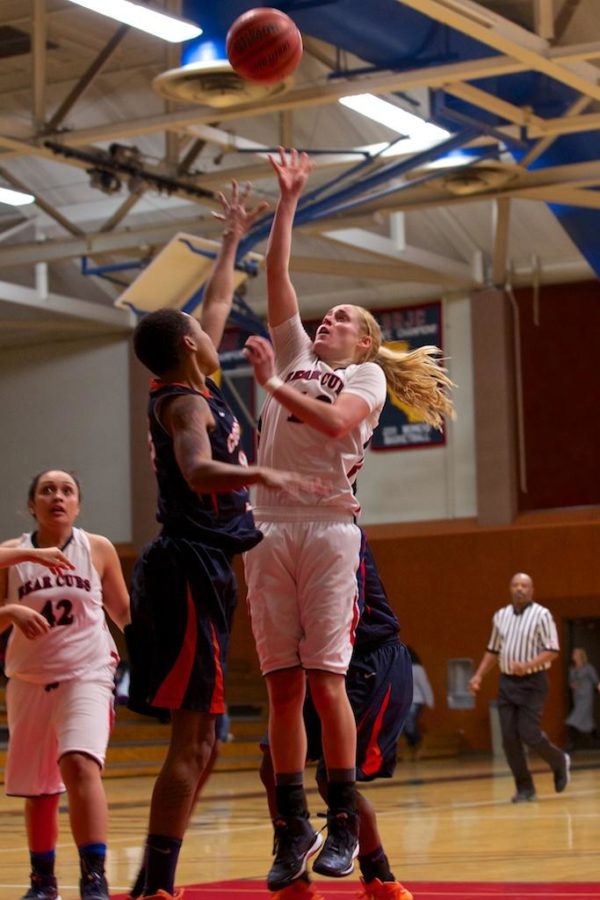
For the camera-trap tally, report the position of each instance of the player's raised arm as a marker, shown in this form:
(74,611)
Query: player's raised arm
(218,295)
(292,173)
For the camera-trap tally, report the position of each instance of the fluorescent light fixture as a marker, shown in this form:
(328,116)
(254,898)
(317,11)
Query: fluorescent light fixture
(15,198)
(452,161)
(157,23)
(420,135)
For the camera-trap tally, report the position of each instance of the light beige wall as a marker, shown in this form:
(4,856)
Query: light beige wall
(66,404)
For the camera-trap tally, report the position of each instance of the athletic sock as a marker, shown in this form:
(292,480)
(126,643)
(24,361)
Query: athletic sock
(341,790)
(289,794)
(161,863)
(43,863)
(92,858)
(375,865)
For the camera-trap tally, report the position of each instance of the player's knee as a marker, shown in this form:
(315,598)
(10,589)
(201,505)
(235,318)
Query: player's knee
(78,768)
(327,692)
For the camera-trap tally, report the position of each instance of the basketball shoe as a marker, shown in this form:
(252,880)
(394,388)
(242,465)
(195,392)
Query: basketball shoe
(340,849)
(298,890)
(295,842)
(384,890)
(43,887)
(93,886)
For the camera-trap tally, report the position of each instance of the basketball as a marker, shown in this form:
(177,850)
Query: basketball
(264,45)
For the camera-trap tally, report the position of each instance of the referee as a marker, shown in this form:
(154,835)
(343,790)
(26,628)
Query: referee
(524,641)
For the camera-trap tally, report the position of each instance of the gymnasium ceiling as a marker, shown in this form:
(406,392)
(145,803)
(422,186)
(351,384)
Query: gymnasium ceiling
(74,83)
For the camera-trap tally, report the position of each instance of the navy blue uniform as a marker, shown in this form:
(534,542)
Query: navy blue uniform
(184,590)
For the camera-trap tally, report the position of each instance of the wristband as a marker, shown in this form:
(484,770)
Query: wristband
(273,383)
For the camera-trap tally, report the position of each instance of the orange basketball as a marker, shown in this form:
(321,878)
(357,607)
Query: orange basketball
(264,44)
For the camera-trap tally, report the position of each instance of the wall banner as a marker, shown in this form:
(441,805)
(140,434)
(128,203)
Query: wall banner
(407,328)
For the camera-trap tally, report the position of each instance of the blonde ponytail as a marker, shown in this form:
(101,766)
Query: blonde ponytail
(415,377)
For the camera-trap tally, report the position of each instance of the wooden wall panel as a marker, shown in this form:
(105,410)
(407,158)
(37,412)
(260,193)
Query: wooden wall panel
(445,581)
(561,387)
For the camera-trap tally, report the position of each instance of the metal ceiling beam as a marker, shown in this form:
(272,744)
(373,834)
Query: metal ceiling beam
(67,306)
(524,117)
(543,16)
(86,79)
(320,94)
(41,204)
(563,196)
(541,146)
(172,57)
(569,125)
(563,19)
(504,36)
(140,239)
(38,63)
(584,174)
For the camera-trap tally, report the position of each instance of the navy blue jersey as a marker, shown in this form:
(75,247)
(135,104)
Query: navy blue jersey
(378,623)
(222,520)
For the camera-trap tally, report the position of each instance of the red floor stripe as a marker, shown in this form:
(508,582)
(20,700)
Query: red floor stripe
(422,890)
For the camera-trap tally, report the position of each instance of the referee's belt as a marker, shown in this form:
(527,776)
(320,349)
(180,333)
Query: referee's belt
(526,675)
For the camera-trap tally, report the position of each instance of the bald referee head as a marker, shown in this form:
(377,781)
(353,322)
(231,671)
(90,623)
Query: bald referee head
(521,589)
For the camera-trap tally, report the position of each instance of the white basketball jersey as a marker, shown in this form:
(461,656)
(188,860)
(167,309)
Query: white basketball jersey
(287,443)
(78,641)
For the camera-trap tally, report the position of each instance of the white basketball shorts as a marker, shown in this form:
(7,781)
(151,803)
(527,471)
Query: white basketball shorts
(302,594)
(47,721)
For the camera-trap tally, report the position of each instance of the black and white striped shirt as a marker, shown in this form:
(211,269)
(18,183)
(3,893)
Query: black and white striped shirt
(521,636)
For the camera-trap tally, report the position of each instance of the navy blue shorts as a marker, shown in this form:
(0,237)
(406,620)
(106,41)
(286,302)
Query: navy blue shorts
(379,687)
(182,603)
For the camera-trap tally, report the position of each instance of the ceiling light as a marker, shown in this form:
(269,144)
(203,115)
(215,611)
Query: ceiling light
(159,24)
(420,135)
(15,198)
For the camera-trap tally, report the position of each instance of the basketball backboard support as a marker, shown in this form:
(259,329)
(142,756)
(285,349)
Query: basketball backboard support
(177,272)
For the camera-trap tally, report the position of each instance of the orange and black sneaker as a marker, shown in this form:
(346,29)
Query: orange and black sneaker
(298,890)
(384,890)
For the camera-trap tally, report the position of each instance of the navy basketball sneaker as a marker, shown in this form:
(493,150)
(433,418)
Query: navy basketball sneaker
(340,849)
(295,842)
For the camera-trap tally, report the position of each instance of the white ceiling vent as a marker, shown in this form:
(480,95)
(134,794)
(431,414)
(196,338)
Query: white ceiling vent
(478,178)
(214,84)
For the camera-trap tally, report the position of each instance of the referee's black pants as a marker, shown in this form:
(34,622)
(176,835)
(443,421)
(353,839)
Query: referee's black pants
(520,706)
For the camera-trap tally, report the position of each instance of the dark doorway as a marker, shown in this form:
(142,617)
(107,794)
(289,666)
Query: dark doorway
(584,633)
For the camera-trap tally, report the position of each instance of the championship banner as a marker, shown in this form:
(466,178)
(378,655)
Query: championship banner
(407,328)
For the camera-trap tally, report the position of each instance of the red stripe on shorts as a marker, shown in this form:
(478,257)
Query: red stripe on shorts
(217,701)
(172,691)
(373,756)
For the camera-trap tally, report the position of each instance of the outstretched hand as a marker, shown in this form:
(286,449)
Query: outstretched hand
(475,684)
(295,484)
(237,218)
(30,623)
(53,558)
(260,354)
(292,172)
